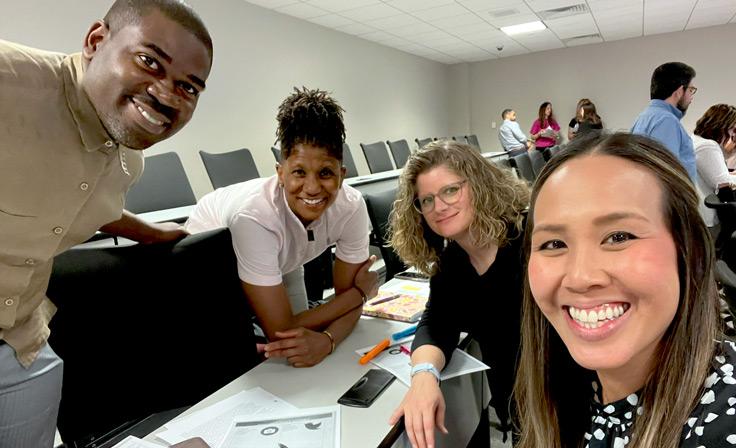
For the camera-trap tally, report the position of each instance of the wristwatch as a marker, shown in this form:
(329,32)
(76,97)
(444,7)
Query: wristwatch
(425,367)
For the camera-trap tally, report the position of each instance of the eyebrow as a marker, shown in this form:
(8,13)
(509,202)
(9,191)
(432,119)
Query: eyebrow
(165,56)
(601,220)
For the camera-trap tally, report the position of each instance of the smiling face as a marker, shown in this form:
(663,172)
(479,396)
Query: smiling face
(603,266)
(311,179)
(548,111)
(450,221)
(144,79)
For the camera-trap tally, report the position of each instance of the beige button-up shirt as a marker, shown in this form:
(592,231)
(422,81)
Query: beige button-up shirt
(61,178)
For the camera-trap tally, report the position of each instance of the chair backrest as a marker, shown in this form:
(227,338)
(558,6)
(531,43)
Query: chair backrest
(400,150)
(229,168)
(276,153)
(523,166)
(133,321)
(460,139)
(163,185)
(537,160)
(379,208)
(348,162)
(377,157)
(473,140)
(726,212)
(421,142)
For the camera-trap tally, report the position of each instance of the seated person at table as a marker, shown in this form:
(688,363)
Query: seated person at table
(281,222)
(713,140)
(623,343)
(458,219)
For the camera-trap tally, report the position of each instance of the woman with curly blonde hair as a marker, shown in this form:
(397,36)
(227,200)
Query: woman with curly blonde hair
(459,219)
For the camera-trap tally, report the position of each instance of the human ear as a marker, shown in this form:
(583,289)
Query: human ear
(96,35)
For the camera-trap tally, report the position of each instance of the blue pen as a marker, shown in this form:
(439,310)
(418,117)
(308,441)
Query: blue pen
(404,333)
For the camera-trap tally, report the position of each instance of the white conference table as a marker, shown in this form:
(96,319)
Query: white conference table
(324,383)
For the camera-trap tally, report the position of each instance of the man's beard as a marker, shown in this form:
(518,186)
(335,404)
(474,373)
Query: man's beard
(682,107)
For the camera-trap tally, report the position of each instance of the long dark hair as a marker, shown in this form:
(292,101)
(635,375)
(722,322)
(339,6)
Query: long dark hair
(553,392)
(543,122)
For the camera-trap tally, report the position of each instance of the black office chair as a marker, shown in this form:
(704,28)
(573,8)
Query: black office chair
(400,151)
(163,185)
(523,166)
(473,140)
(379,207)
(421,142)
(726,212)
(276,153)
(348,162)
(146,328)
(229,168)
(460,139)
(537,160)
(548,153)
(377,157)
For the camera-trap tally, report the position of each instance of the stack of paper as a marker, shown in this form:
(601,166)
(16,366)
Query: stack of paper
(256,418)
(403,301)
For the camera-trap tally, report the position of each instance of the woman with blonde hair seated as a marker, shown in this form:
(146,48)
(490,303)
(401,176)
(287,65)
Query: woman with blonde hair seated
(623,345)
(458,218)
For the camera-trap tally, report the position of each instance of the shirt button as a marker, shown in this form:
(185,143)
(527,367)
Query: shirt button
(109,144)
(84,186)
(30,261)
(9,302)
(58,230)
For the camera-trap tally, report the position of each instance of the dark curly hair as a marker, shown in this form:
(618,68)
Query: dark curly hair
(310,117)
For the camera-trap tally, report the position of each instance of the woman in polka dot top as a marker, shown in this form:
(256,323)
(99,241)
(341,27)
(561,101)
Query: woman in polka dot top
(623,344)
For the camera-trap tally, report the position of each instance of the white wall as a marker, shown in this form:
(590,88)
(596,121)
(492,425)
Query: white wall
(615,75)
(259,56)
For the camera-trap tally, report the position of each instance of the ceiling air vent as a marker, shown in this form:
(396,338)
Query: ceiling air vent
(583,40)
(567,11)
(501,13)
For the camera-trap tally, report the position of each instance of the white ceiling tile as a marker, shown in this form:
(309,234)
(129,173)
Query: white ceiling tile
(436,36)
(272,4)
(626,12)
(386,23)
(395,41)
(537,36)
(470,29)
(543,45)
(572,26)
(370,12)
(489,33)
(341,5)
(416,5)
(302,10)
(615,5)
(454,46)
(413,30)
(440,13)
(662,27)
(545,5)
(355,28)
(620,34)
(461,20)
(331,20)
(378,36)
(486,5)
(515,19)
(583,41)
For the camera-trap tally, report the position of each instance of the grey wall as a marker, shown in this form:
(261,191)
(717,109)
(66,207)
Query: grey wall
(259,56)
(615,75)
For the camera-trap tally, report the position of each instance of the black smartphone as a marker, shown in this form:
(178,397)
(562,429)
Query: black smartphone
(369,387)
(411,275)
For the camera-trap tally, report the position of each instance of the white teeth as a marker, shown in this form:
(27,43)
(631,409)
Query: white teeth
(149,117)
(312,201)
(594,319)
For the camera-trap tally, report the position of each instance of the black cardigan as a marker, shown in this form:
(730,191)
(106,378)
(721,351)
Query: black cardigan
(487,307)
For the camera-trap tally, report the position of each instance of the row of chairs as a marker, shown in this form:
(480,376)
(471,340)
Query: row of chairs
(379,160)
(529,164)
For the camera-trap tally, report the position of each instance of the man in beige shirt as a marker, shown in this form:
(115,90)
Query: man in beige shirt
(71,131)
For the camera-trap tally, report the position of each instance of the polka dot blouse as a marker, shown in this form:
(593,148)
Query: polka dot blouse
(711,424)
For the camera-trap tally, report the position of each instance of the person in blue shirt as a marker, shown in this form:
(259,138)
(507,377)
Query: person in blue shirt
(672,91)
(512,139)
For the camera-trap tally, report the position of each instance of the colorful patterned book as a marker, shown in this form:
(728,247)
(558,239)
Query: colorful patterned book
(405,304)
